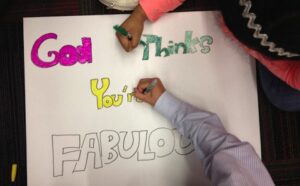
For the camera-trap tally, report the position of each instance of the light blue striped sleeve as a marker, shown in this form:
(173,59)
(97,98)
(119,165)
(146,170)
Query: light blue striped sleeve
(226,160)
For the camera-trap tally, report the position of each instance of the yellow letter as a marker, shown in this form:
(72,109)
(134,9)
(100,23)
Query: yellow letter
(118,101)
(99,92)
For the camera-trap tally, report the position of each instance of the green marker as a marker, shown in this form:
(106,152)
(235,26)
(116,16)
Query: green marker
(122,31)
(150,86)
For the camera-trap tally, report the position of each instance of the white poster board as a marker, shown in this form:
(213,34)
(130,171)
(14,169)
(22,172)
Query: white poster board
(77,138)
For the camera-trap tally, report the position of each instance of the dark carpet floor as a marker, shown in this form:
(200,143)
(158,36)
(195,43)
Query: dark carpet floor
(280,131)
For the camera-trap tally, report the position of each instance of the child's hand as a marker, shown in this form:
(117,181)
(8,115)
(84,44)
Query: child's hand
(134,24)
(152,96)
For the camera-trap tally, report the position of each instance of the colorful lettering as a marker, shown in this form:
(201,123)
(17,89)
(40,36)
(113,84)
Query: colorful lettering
(107,101)
(68,55)
(189,45)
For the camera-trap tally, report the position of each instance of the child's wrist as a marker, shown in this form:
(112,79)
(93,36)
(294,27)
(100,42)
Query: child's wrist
(140,14)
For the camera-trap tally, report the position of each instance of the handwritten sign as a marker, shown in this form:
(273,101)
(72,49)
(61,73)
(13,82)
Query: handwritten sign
(83,125)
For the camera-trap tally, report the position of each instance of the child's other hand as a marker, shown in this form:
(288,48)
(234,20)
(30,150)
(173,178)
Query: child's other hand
(152,96)
(134,24)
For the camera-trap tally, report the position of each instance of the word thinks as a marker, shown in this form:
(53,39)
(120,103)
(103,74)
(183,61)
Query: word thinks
(189,45)
(68,55)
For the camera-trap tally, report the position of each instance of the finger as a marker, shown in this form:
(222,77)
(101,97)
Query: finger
(125,43)
(135,40)
(140,95)
(143,83)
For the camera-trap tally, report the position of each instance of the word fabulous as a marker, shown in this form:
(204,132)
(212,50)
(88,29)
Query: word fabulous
(190,45)
(67,55)
(98,149)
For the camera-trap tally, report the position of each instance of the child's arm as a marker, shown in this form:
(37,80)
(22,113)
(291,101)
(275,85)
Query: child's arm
(226,160)
(156,8)
(134,24)
(147,9)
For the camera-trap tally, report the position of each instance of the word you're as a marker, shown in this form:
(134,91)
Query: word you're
(105,100)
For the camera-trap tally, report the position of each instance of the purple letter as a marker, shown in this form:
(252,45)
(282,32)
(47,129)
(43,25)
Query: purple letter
(85,51)
(34,52)
(68,55)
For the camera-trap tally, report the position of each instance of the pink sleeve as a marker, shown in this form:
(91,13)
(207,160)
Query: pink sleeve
(156,8)
(286,70)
